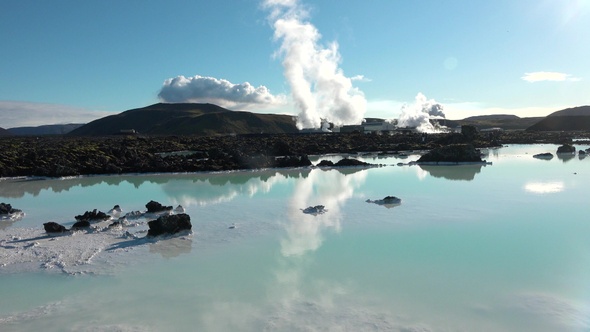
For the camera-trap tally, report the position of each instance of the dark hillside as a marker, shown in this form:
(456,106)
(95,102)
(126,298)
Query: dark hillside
(570,119)
(187,119)
(4,132)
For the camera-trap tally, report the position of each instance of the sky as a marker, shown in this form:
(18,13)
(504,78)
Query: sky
(66,61)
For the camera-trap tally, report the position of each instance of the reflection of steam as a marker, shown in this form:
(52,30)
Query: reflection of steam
(454,172)
(318,85)
(419,114)
(544,187)
(328,188)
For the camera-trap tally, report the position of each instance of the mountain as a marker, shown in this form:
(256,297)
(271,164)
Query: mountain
(61,129)
(569,119)
(504,121)
(187,119)
(4,132)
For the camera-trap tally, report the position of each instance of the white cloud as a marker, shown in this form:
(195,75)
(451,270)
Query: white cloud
(540,76)
(200,89)
(360,78)
(24,114)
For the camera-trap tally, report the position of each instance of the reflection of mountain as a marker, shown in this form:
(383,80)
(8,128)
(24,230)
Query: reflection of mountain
(16,188)
(453,172)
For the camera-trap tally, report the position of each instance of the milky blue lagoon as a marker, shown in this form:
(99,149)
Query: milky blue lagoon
(501,247)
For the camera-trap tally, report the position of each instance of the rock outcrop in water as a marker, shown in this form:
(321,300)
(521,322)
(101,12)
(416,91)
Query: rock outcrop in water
(454,153)
(169,224)
(7,209)
(155,207)
(93,215)
(546,156)
(566,148)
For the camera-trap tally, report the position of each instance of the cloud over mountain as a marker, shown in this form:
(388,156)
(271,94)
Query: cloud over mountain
(200,89)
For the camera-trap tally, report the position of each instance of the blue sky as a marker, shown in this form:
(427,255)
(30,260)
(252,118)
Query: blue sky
(73,61)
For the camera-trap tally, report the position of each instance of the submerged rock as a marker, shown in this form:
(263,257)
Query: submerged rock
(387,200)
(153,207)
(315,210)
(53,227)
(454,153)
(546,155)
(169,224)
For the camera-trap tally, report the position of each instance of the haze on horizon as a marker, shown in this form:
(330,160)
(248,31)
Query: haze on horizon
(65,62)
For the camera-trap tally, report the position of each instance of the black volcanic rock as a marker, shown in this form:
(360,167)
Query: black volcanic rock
(154,207)
(53,227)
(169,224)
(546,155)
(93,215)
(81,224)
(350,162)
(452,153)
(6,208)
(566,148)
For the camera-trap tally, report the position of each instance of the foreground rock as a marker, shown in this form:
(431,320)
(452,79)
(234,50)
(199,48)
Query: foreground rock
(169,224)
(454,153)
(53,227)
(7,209)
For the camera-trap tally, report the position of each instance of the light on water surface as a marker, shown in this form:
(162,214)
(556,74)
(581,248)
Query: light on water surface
(497,247)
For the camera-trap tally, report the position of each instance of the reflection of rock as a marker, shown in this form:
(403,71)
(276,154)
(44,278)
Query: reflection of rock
(53,227)
(388,201)
(453,172)
(545,156)
(454,153)
(566,156)
(172,247)
(169,224)
(315,210)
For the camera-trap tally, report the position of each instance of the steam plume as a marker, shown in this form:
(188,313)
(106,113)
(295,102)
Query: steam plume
(318,86)
(419,114)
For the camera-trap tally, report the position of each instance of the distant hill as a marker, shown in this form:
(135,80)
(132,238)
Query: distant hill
(569,119)
(60,129)
(187,119)
(4,132)
(504,121)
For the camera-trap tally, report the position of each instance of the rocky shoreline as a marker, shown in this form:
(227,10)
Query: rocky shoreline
(60,156)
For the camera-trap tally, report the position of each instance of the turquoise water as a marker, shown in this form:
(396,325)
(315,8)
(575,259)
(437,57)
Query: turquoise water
(500,247)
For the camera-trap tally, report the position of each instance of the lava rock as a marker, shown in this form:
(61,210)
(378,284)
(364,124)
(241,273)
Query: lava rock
(7,209)
(53,227)
(169,224)
(92,215)
(153,207)
(566,148)
(546,155)
(350,162)
(452,153)
(81,224)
